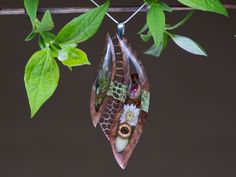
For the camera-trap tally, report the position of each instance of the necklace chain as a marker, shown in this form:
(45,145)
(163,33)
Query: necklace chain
(127,20)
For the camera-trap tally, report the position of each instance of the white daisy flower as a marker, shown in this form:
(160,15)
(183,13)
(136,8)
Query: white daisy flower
(130,115)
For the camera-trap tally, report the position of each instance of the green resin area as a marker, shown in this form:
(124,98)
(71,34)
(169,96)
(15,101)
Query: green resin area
(117,90)
(102,87)
(145,100)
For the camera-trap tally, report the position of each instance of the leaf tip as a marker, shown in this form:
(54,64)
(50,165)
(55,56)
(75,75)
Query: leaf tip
(205,54)
(88,63)
(225,12)
(32,114)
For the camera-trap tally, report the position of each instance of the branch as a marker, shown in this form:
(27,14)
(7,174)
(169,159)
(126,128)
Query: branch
(76,10)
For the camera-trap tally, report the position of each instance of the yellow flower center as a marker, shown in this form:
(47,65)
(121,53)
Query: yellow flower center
(129,115)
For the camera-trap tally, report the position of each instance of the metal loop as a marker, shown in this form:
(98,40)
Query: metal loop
(121,29)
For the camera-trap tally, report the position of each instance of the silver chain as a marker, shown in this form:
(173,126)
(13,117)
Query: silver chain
(127,20)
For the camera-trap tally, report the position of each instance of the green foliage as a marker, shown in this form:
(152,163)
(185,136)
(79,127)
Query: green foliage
(31,7)
(146,37)
(156,25)
(143,29)
(149,2)
(42,72)
(41,78)
(156,51)
(165,6)
(42,44)
(156,22)
(206,5)
(71,56)
(31,36)
(182,22)
(46,24)
(77,30)
(188,45)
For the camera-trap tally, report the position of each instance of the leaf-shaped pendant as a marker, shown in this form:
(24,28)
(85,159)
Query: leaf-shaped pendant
(120,98)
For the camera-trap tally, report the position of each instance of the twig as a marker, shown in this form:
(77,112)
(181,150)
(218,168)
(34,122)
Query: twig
(76,10)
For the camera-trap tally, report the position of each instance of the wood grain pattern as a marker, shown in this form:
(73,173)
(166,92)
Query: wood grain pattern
(109,114)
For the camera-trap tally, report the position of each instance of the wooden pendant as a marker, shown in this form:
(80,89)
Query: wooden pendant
(120,98)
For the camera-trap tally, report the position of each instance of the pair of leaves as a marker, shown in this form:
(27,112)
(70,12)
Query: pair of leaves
(161,35)
(42,72)
(42,75)
(155,26)
(46,23)
(159,30)
(183,42)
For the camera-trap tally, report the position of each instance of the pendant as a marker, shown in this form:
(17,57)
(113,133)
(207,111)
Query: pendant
(120,97)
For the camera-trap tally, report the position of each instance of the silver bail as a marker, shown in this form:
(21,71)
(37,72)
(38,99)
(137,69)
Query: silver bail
(121,29)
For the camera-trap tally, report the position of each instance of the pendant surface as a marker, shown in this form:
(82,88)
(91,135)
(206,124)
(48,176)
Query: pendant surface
(120,98)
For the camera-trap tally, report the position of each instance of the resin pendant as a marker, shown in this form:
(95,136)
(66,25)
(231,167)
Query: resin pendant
(120,98)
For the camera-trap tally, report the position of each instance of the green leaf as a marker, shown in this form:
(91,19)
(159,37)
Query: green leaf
(41,79)
(31,36)
(144,28)
(83,27)
(188,45)
(206,5)
(165,41)
(146,37)
(42,44)
(47,23)
(54,51)
(31,7)
(48,37)
(182,22)
(165,7)
(156,23)
(46,40)
(71,56)
(154,51)
(149,2)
